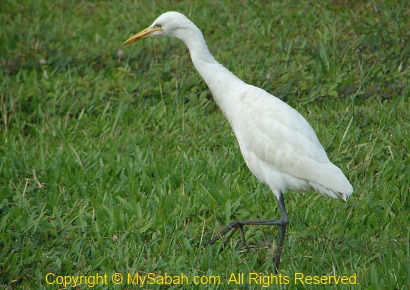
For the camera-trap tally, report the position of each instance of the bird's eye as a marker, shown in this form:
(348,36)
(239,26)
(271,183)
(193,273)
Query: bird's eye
(157,25)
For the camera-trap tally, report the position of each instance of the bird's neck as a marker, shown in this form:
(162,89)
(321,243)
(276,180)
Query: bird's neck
(218,78)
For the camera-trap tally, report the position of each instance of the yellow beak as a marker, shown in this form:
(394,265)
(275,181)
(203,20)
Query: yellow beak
(141,35)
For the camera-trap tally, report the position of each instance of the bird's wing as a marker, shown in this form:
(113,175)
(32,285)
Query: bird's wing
(276,134)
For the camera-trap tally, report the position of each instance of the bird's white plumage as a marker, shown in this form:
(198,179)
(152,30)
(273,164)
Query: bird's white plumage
(278,144)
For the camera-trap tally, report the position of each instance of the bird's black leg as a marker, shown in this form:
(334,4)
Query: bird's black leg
(282,222)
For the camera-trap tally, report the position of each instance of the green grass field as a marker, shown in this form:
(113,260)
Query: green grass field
(117,160)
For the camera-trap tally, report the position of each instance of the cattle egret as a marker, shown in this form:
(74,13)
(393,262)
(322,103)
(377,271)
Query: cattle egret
(278,144)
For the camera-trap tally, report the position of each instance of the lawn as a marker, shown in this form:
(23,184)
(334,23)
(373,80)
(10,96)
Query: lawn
(117,165)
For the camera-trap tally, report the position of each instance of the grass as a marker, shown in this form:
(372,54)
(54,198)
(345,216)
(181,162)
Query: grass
(116,159)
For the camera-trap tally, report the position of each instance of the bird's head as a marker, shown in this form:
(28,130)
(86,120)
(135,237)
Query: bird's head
(168,24)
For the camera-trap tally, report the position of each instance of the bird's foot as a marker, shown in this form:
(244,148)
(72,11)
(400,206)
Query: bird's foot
(231,229)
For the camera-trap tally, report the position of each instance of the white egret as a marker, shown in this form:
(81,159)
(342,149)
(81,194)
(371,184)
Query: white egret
(278,144)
